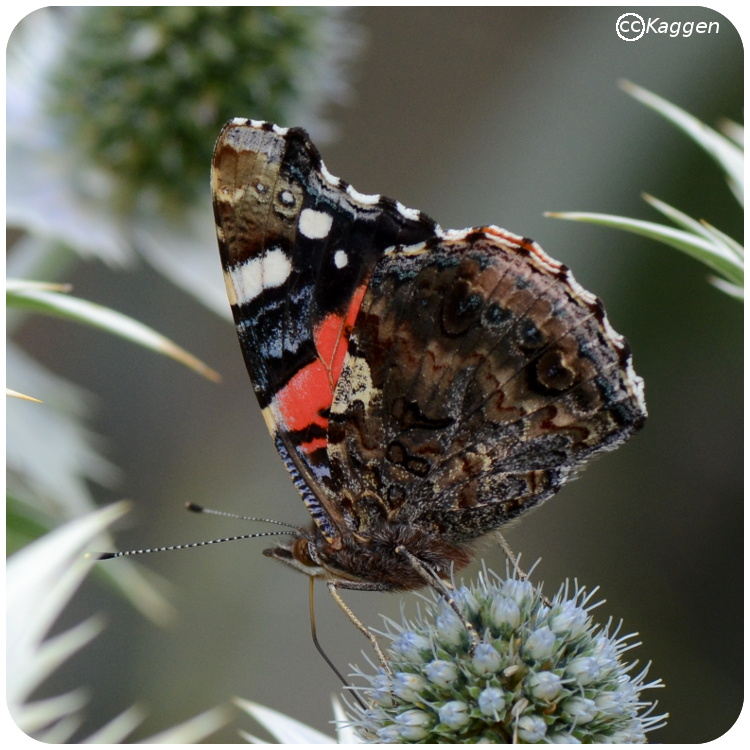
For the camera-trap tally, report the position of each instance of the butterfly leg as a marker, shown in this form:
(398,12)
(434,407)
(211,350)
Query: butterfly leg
(332,588)
(443,588)
(515,562)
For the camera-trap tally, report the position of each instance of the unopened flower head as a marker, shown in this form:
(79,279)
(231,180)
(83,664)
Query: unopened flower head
(142,90)
(541,672)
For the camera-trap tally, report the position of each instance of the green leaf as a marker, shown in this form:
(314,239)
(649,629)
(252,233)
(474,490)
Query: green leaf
(117,730)
(40,580)
(24,397)
(35,296)
(678,217)
(698,239)
(734,131)
(723,242)
(711,253)
(725,152)
(726,241)
(731,289)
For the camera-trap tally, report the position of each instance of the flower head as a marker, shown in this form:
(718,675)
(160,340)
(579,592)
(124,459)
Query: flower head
(143,90)
(542,672)
(114,110)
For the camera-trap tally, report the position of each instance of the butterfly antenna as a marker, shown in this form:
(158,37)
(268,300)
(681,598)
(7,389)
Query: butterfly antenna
(314,632)
(191,545)
(195,508)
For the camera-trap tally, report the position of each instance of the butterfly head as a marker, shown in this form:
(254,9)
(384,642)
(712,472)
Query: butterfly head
(297,553)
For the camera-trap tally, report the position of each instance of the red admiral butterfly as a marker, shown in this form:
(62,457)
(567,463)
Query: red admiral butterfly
(423,387)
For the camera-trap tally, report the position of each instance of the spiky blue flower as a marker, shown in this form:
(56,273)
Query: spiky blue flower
(542,671)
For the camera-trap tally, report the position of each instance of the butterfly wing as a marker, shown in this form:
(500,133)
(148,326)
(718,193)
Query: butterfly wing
(298,247)
(479,377)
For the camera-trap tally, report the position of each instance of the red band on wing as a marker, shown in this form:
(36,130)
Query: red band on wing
(304,400)
(332,337)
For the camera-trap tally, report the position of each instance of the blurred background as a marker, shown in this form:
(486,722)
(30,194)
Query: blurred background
(473,115)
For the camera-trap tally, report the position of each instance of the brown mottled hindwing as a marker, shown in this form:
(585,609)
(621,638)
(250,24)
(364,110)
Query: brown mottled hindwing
(479,377)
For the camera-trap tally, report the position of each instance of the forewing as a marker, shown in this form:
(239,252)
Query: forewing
(298,247)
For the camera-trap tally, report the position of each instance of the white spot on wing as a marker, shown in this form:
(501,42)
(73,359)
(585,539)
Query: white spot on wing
(617,339)
(636,384)
(409,213)
(247,280)
(260,125)
(340,259)
(315,224)
(355,384)
(367,200)
(331,179)
(275,267)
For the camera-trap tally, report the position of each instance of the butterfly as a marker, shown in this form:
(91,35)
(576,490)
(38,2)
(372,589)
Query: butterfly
(422,386)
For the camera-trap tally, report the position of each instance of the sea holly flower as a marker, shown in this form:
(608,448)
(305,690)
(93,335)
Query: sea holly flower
(486,660)
(407,686)
(540,644)
(545,686)
(441,672)
(579,691)
(554,676)
(531,729)
(40,581)
(143,87)
(504,612)
(114,110)
(453,714)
